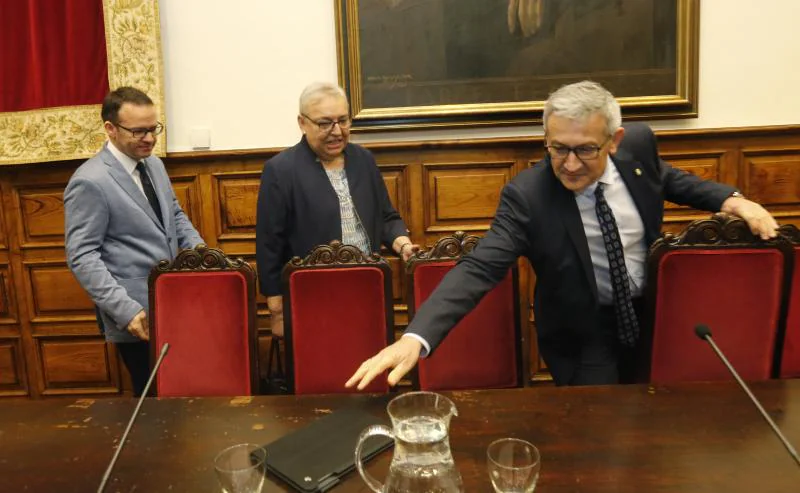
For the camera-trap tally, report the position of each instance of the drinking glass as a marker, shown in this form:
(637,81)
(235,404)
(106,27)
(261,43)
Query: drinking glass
(513,465)
(240,468)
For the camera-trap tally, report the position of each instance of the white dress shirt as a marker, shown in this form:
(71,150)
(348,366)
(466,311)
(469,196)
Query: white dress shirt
(129,164)
(631,232)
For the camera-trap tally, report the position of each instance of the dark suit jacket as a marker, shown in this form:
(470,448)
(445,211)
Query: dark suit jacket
(539,218)
(298,208)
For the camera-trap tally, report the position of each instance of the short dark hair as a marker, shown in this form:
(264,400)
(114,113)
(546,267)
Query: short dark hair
(115,99)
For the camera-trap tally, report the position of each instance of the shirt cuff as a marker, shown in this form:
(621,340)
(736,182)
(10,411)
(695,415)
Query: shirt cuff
(426,348)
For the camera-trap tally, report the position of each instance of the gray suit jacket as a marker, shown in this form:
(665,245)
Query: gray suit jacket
(114,239)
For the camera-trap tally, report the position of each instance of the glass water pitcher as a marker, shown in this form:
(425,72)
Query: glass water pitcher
(422,460)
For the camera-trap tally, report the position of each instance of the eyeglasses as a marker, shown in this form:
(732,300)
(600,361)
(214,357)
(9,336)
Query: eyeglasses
(582,152)
(326,125)
(140,133)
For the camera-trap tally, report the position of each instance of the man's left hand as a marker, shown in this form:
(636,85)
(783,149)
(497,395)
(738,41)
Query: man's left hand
(760,221)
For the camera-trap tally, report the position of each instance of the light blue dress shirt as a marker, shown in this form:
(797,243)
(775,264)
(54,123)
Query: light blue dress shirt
(631,232)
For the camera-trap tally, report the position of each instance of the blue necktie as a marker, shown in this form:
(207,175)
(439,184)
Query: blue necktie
(627,323)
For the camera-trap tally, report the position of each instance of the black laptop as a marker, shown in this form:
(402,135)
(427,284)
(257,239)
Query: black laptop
(316,457)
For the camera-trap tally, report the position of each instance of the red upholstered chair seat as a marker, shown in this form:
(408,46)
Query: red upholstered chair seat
(207,317)
(790,362)
(483,350)
(335,317)
(734,288)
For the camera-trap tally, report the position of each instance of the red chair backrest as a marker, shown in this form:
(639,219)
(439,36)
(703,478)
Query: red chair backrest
(336,315)
(727,280)
(484,349)
(207,315)
(790,362)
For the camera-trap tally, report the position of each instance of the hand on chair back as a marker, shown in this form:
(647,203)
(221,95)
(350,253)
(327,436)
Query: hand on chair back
(275,305)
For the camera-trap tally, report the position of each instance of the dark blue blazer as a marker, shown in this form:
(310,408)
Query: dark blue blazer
(298,208)
(538,218)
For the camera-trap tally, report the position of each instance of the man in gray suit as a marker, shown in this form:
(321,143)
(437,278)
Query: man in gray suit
(122,217)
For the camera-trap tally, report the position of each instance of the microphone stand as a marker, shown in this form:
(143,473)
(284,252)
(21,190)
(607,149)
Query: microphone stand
(703,332)
(107,474)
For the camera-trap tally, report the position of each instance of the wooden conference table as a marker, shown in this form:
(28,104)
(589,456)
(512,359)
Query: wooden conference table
(704,437)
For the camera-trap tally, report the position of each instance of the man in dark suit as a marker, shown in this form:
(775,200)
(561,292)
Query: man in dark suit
(584,217)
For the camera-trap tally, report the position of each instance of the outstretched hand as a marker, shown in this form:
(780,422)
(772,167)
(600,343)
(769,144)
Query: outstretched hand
(400,357)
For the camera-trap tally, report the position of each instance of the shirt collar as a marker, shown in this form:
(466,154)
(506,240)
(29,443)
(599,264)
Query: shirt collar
(126,161)
(609,176)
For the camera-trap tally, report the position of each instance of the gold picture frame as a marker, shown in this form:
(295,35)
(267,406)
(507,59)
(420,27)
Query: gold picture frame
(416,64)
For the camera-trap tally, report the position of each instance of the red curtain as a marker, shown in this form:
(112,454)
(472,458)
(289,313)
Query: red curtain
(52,53)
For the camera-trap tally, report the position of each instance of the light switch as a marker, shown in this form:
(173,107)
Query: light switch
(200,137)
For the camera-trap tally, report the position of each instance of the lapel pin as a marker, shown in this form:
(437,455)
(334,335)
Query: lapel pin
(638,171)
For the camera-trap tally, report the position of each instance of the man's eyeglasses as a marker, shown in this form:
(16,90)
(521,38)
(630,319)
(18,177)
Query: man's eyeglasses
(139,133)
(325,125)
(582,152)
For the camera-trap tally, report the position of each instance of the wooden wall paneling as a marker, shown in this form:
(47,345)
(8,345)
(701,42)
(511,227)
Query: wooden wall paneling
(234,200)
(772,177)
(41,221)
(54,293)
(48,337)
(705,164)
(76,365)
(13,380)
(23,347)
(8,302)
(187,191)
(463,196)
(395,177)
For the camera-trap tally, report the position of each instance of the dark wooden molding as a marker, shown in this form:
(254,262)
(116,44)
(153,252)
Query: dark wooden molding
(449,247)
(335,253)
(222,155)
(791,232)
(202,257)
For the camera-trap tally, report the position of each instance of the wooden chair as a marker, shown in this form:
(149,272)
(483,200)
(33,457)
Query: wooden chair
(790,361)
(717,273)
(337,313)
(203,305)
(484,349)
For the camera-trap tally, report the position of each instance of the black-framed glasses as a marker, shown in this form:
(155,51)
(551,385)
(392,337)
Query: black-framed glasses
(139,133)
(326,125)
(582,152)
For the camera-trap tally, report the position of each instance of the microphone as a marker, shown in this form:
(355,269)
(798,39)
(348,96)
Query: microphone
(703,332)
(107,474)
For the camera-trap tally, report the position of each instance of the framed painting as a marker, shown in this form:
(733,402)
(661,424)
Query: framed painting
(412,64)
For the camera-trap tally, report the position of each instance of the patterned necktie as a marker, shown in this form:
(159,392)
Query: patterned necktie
(149,191)
(627,323)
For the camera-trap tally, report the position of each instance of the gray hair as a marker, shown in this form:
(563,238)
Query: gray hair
(581,100)
(314,93)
